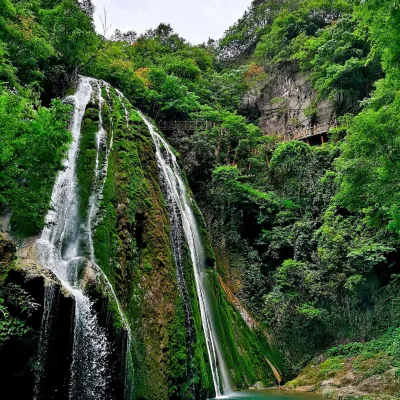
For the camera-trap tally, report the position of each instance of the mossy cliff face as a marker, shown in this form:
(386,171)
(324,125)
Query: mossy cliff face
(252,359)
(248,351)
(133,247)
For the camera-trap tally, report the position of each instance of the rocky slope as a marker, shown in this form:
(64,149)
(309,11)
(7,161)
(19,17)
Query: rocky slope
(355,371)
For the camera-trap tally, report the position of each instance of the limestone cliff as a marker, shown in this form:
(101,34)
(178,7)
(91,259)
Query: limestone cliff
(285,101)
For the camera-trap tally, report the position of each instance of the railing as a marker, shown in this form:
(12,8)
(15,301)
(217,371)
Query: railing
(186,126)
(310,131)
(200,125)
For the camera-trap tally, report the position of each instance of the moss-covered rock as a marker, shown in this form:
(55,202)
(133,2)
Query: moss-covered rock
(132,247)
(355,371)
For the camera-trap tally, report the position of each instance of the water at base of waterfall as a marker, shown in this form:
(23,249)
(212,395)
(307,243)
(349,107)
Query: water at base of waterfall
(270,394)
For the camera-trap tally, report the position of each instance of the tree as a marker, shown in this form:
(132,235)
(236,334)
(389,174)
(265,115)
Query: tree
(128,37)
(33,144)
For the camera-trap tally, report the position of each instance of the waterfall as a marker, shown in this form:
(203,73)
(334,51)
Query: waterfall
(44,339)
(60,250)
(182,217)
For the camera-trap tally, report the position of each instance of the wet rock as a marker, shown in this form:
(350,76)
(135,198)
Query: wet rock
(19,374)
(7,250)
(257,386)
(371,384)
(329,382)
(349,379)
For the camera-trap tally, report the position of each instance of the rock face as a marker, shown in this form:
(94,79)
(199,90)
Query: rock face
(19,374)
(7,250)
(132,248)
(286,101)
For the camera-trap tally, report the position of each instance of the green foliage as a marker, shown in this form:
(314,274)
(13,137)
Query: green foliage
(41,42)
(293,24)
(241,38)
(33,146)
(170,94)
(340,64)
(360,360)
(227,88)
(308,237)
(349,349)
(11,327)
(16,308)
(87,158)
(370,164)
(310,233)
(67,20)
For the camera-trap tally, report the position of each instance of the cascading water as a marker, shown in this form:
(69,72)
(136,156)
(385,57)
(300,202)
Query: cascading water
(182,217)
(60,250)
(44,340)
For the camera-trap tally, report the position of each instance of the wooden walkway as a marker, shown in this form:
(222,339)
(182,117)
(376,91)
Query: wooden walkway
(308,132)
(303,133)
(186,126)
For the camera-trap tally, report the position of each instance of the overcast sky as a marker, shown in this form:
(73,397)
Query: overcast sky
(195,20)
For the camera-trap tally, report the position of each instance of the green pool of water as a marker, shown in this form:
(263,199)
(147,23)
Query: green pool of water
(272,394)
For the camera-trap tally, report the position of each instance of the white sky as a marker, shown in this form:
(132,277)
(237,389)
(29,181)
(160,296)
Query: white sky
(194,20)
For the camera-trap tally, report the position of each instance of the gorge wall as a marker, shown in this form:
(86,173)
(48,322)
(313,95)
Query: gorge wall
(131,237)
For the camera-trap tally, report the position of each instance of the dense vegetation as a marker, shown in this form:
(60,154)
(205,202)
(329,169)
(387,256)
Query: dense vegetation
(313,231)
(307,237)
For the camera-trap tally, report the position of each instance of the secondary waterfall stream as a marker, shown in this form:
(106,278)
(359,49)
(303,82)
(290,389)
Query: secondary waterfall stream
(182,217)
(64,246)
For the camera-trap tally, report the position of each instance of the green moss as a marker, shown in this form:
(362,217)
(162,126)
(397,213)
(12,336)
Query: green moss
(331,366)
(104,238)
(368,364)
(132,246)
(209,252)
(70,91)
(355,363)
(245,351)
(179,386)
(135,116)
(200,363)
